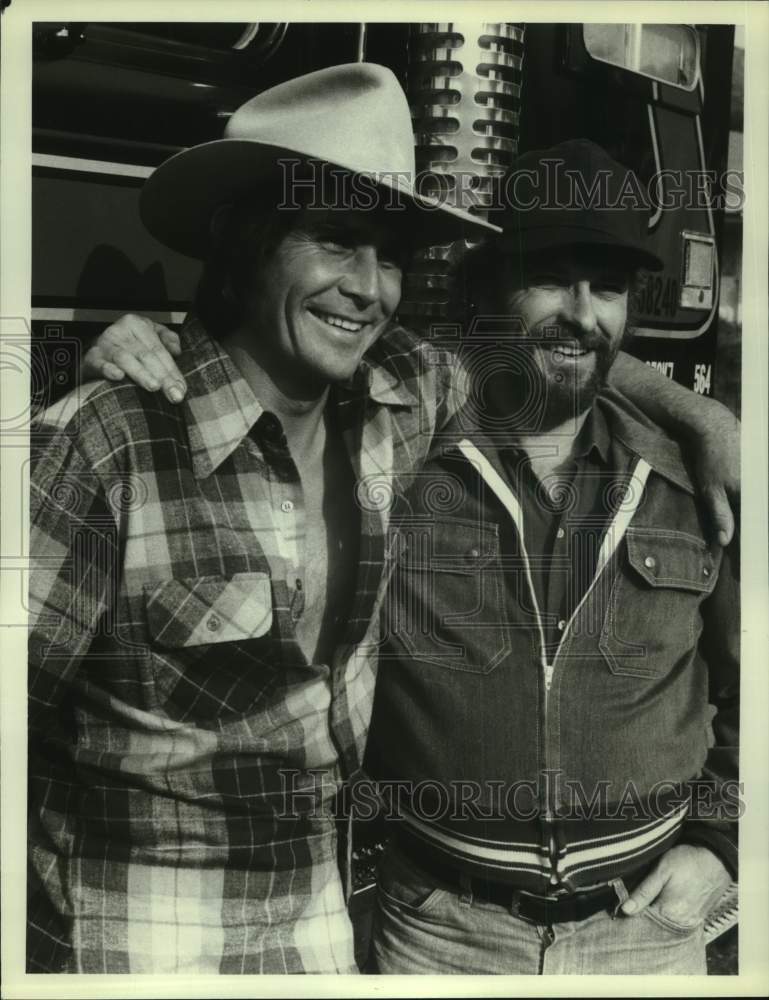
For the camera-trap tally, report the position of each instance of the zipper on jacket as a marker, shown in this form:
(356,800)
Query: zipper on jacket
(551,846)
(612,538)
(510,502)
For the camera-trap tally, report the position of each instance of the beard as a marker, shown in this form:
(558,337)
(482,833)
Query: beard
(568,398)
(521,388)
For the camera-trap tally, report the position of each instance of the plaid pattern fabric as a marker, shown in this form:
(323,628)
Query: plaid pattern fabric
(180,743)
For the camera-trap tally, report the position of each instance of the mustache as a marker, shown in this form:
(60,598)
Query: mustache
(548,336)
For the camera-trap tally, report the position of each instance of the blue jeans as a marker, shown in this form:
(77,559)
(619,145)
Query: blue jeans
(421,925)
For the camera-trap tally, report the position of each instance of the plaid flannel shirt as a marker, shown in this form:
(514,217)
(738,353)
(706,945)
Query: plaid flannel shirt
(167,690)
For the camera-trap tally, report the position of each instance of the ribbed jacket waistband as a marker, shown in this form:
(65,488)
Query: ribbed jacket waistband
(567,852)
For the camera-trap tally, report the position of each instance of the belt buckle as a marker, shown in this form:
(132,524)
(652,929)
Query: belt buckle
(515,906)
(546,901)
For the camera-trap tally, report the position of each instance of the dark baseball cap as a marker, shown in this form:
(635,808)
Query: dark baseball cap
(573,194)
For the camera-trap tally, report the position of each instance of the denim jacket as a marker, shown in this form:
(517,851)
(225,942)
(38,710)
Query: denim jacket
(577,767)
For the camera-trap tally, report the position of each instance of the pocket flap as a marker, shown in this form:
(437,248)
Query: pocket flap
(201,610)
(672,559)
(456,545)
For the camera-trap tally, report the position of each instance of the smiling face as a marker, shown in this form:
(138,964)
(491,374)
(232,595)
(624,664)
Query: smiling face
(325,294)
(573,304)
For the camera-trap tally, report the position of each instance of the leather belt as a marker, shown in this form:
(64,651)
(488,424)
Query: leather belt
(555,908)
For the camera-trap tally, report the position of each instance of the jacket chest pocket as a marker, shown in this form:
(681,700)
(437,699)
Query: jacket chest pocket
(446,599)
(210,641)
(653,613)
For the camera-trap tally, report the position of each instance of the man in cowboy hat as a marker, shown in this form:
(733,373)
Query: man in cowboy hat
(202,575)
(561,628)
(135,347)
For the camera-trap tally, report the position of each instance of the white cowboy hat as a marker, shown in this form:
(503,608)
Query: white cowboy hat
(353,116)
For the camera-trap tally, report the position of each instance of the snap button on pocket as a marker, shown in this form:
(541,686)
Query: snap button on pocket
(666,576)
(205,664)
(448,588)
(198,611)
(287,506)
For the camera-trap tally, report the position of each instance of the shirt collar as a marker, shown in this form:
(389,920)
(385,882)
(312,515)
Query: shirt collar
(386,388)
(640,437)
(594,436)
(220,407)
(378,375)
(610,424)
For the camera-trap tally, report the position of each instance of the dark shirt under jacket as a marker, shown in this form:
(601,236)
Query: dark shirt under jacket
(565,516)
